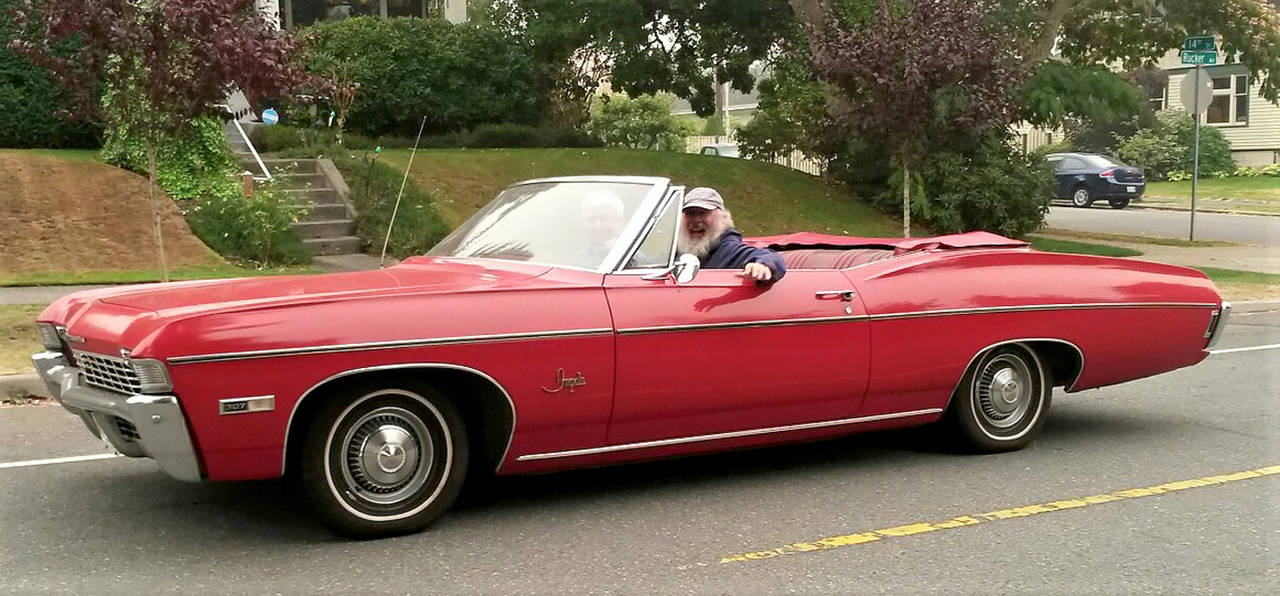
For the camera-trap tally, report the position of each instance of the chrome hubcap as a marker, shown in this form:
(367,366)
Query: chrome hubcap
(388,455)
(1081,196)
(1004,391)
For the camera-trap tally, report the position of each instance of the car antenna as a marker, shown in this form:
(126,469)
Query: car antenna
(382,261)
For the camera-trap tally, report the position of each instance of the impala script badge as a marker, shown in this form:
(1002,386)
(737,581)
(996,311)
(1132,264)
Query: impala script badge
(571,382)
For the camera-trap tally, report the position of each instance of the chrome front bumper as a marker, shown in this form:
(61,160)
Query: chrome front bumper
(159,428)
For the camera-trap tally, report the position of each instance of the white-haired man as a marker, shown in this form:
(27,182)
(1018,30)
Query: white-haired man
(707,233)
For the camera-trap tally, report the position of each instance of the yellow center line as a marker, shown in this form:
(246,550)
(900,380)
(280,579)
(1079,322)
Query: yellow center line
(844,540)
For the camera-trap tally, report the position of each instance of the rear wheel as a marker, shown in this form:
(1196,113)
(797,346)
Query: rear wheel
(1118,203)
(1001,401)
(380,461)
(1080,197)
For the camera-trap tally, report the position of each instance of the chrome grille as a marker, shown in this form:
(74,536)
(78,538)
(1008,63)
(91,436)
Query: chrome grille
(113,374)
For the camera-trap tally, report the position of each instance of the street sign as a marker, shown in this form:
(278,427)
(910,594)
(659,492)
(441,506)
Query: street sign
(1190,57)
(1199,43)
(1196,82)
(270,116)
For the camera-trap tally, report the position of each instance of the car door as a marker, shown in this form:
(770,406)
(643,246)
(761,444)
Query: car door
(722,354)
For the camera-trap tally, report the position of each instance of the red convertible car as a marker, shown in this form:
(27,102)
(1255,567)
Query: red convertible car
(539,336)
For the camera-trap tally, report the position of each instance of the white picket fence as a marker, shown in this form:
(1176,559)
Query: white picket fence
(796,160)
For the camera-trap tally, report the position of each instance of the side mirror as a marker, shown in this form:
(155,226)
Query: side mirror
(686,269)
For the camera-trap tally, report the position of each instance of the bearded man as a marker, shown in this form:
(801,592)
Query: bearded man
(707,232)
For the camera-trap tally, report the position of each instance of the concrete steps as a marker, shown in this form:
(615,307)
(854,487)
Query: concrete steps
(329,226)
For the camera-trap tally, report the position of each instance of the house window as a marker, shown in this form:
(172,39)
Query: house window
(300,13)
(1230,103)
(1158,98)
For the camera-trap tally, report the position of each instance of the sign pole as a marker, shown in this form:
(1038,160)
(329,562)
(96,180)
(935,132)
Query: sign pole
(1195,167)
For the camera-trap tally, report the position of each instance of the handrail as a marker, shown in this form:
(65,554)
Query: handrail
(252,150)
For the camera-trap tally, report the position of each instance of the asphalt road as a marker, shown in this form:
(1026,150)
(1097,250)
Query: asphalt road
(1248,229)
(707,524)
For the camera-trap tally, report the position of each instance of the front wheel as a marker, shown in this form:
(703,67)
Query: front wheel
(1080,197)
(380,461)
(1118,203)
(1001,401)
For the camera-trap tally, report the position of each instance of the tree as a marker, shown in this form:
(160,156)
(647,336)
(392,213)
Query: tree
(160,63)
(906,70)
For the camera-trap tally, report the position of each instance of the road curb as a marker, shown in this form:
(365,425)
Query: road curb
(1201,210)
(29,384)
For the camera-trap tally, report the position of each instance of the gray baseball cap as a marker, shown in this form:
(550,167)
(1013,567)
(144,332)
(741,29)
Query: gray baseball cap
(703,198)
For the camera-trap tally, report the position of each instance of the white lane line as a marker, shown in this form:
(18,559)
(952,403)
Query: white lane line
(57,460)
(1246,349)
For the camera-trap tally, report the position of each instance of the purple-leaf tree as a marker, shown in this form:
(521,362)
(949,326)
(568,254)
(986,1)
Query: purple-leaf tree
(910,70)
(162,62)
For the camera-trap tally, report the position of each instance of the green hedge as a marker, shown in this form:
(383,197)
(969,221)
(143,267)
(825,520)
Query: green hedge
(458,76)
(304,142)
(31,101)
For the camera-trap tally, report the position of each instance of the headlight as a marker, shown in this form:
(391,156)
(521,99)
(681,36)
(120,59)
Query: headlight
(152,376)
(49,337)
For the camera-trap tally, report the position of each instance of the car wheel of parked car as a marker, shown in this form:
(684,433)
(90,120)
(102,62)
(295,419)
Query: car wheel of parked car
(1118,203)
(380,461)
(1080,197)
(1002,399)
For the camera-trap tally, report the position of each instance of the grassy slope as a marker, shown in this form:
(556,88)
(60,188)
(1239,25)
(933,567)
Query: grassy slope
(764,198)
(100,232)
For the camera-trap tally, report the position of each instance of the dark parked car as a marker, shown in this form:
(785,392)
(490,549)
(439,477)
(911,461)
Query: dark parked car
(1084,178)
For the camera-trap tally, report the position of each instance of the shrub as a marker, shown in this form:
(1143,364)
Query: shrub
(258,228)
(374,187)
(31,101)
(643,122)
(459,76)
(189,166)
(1170,145)
(304,141)
(994,187)
(519,135)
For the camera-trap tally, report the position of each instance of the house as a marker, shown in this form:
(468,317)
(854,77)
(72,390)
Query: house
(298,13)
(1249,122)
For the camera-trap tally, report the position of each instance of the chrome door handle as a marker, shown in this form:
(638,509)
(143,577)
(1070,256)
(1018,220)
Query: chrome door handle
(845,295)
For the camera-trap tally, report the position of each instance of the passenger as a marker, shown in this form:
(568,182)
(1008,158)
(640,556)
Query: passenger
(604,214)
(707,233)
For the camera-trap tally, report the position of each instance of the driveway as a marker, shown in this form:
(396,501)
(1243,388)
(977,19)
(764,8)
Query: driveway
(1247,229)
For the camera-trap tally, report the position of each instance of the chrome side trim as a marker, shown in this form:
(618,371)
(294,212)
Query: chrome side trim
(284,454)
(727,435)
(740,324)
(386,345)
(1036,307)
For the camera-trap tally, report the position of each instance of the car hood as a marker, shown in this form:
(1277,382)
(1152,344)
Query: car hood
(109,318)
(415,275)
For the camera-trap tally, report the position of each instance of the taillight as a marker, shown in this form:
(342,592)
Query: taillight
(1109,174)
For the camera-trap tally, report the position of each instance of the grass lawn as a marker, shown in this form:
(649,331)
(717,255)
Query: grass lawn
(1258,193)
(764,198)
(1137,239)
(1082,248)
(18,337)
(81,155)
(63,278)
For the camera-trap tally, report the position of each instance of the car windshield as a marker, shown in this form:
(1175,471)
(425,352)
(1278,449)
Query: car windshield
(1101,161)
(567,224)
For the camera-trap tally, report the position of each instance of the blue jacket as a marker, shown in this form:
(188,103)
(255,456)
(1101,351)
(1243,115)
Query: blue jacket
(731,253)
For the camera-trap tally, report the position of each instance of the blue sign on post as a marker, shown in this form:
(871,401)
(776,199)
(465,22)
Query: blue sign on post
(270,116)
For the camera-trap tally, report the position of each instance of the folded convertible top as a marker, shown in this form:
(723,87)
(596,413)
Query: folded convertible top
(810,240)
